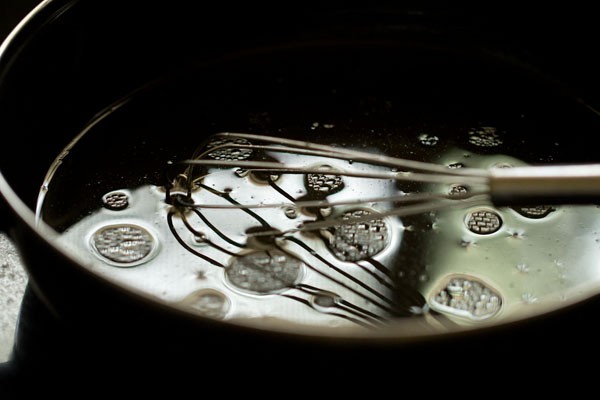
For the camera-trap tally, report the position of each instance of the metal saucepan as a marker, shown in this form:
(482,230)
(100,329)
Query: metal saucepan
(103,100)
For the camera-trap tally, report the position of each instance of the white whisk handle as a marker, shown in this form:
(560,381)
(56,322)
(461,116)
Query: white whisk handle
(536,185)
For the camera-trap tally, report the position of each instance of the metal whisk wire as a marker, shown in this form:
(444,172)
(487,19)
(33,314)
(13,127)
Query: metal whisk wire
(401,170)
(560,184)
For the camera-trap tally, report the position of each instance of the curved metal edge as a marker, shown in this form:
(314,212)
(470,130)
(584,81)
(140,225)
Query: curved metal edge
(11,206)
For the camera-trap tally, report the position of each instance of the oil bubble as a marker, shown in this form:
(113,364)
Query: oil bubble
(209,303)
(123,244)
(535,212)
(355,241)
(264,272)
(483,222)
(116,200)
(466,296)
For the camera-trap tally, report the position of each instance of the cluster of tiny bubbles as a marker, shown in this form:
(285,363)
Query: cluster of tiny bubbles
(428,140)
(456,165)
(229,153)
(528,298)
(116,200)
(209,303)
(456,190)
(123,244)
(356,241)
(484,136)
(466,296)
(483,221)
(522,268)
(264,271)
(317,124)
(466,243)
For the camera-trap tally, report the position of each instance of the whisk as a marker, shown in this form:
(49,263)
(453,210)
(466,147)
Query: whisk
(342,237)
(522,185)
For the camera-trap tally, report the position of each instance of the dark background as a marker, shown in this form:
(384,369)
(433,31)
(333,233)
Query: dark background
(11,12)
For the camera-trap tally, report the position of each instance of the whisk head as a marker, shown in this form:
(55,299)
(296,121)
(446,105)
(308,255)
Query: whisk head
(325,168)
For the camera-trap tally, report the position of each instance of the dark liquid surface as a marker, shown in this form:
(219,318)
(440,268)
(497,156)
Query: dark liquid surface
(442,108)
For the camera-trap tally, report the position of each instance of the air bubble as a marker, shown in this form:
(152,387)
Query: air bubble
(291,212)
(502,165)
(325,211)
(456,165)
(241,172)
(324,300)
(201,239)
(263,177)
(467,243)
(516,234)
